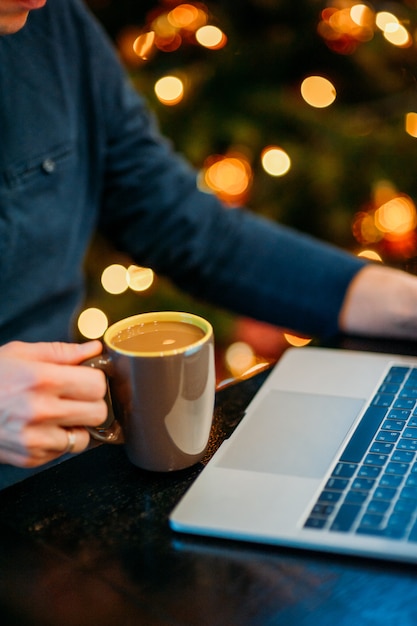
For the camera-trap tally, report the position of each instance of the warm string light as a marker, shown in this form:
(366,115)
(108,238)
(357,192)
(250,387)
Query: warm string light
(239,358)
(228,176)
(275,161)
(211,37)
(115,280)
(390,221)
(371,255)
(345,27)
(411,124)
(92,323)
(169,29)
(169,90)
(318,92)
(296,341)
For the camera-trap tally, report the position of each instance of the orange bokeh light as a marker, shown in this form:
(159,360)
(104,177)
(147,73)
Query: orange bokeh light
(344,28)
(228,176)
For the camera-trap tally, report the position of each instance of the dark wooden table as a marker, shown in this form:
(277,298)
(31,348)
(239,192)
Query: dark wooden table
(88,543)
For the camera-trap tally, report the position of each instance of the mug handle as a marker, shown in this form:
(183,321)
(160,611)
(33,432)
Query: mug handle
(110,431)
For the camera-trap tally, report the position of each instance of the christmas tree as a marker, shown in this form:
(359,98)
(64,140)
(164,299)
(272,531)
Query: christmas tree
(304,111)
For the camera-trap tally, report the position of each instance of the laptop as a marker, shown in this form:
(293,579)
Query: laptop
(325,458)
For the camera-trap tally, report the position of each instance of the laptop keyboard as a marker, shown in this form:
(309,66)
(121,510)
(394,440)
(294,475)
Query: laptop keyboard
(373,487)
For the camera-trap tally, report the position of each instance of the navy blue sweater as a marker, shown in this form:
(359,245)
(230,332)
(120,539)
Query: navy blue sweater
(79,152)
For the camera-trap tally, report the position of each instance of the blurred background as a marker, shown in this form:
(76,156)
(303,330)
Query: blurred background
(305,112)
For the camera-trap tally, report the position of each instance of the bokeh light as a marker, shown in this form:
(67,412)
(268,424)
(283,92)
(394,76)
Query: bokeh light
(169,90)
(92,323)
(114,279)
(396,217)
(275,161)
(364,17)
(239,358)
(211,37)
(143,45)
(397,35)
(345,27)
(163,27)
(187,16)
(228,176)
(318,91)
(296,341)
(140,278)
(371,255)
(411,124)
(128,39)
(176,26)
(384,19)
(390,220)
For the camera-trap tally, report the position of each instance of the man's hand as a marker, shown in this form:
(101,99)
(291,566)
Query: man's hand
(381,302)
(43,392)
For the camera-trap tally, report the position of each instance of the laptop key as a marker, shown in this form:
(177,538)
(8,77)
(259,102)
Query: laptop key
(392,424)
(397,468)
(364,434)
(315,522)
(384,493)
(399,414)
(356,497)
(383,399)
(369,471)
(322,510)
(410,433)
(329,496)
(376,459)
(405,506)
(388,435)
(372,520)
(344,470)
(403,456)
(391,480)
(363,484)
(381,447)
(409,493)
(396,374)
(405,403)
(337,484)
(399,520)
(407,444)
(346,517)
(378,506)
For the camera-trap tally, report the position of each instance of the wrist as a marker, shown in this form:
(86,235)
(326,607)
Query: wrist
(380,301)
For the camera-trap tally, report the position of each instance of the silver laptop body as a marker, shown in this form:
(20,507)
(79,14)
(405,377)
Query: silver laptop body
(278,479)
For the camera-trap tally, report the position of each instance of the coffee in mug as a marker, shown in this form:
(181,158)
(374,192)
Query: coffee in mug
(157,336)
(161,379)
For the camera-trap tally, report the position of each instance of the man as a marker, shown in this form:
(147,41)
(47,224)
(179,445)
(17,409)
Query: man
(79,152)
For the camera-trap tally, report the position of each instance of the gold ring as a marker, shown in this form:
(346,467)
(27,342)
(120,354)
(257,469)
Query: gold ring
(71,441)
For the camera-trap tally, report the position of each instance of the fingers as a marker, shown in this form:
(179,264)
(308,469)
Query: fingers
(43,392)
(71,441)
(77,439)
(37,446)
(49,367)
(38,408)
(53,352)
(67,381)
(19,376)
